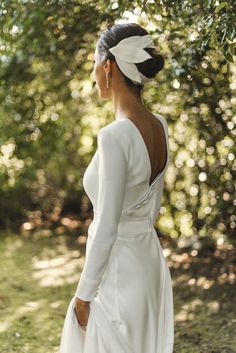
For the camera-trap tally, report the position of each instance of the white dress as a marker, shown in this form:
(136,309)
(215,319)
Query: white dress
(125,276)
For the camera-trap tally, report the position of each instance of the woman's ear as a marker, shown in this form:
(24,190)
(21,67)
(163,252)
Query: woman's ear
(108,66)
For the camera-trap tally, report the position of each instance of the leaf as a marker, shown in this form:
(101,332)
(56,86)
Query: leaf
(220,7)
(214,40)
(228,56)
(232,48)
(209,23)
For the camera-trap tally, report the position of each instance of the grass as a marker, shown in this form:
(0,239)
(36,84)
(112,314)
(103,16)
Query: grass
(40,271)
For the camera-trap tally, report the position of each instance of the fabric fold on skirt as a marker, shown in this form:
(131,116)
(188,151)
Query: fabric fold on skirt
(100,335)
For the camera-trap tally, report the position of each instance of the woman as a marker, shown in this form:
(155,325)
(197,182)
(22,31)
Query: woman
(123,302)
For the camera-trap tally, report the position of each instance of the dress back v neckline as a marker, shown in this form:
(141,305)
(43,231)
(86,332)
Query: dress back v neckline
(152,184)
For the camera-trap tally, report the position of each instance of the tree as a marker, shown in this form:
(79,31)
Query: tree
(50,112)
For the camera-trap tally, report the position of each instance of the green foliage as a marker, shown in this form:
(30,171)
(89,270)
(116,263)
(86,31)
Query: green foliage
(213,20)
(50,112)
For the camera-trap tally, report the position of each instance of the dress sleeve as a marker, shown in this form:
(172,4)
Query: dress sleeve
(112,172)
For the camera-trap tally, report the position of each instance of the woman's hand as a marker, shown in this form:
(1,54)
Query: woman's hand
(82,309)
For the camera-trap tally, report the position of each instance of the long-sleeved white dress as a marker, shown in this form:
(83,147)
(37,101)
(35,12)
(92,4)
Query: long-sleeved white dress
(125,276)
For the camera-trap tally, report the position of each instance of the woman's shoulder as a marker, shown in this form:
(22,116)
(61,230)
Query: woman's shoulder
(118,133)
(119,128)
(116,125)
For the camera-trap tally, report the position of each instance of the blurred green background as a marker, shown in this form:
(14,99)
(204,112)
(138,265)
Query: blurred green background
(50,114)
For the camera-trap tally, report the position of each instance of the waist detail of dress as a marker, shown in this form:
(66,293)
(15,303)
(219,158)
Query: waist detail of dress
(128,227)
(131,226)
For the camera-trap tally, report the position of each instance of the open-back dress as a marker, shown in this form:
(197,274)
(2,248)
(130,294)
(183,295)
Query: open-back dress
(125,275)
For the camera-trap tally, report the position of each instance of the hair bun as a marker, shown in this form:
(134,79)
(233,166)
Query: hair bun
(157,63)
(151,66)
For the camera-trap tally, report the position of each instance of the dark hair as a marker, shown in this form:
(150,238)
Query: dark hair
(113,35)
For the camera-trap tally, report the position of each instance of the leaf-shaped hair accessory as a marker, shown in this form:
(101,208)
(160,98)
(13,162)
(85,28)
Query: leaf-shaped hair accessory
(130,51)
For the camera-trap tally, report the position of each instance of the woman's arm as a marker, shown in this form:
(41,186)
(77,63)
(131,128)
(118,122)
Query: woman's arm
(112,182)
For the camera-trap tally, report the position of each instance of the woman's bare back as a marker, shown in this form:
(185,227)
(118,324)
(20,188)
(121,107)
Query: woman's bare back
(153,135)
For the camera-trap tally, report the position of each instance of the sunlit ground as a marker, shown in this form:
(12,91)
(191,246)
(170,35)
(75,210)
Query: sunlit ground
(40,271)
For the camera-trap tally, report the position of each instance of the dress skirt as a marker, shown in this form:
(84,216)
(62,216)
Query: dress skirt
(133,309)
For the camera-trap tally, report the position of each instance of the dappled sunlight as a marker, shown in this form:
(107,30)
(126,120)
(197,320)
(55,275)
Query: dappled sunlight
(58,270)
(201,282)
(23,310)
(48,269)
(70,223)
(56,304)
(202,275)
(166,252)
(12,246)
(213,307)
(38,277)
(189,310)
(35,227)
(180,280)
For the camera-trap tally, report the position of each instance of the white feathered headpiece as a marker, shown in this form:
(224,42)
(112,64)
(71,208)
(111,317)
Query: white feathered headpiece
(130,51)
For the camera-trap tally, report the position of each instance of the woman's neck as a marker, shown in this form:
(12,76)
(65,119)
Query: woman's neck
(126,103)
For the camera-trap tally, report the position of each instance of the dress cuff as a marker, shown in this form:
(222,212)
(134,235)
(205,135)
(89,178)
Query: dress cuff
(86,288)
